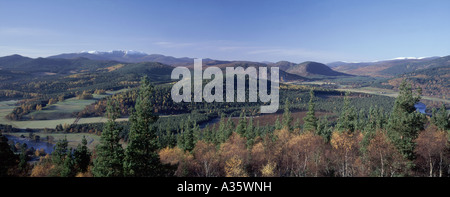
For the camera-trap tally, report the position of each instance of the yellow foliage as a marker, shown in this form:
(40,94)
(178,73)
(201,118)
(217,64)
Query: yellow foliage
(234,167)
(268,170)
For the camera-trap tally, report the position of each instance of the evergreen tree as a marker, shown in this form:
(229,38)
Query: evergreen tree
(7,157)
(82,156)
(141,157)
(405,122)
(23,158)
(110,154)
(68,168)
(442,118)
(278,125)
(347,119)
(189,139)
(287,117)
(242,124)
(250,133)
(323,129)
(310,120)
(297,124)
(60,152)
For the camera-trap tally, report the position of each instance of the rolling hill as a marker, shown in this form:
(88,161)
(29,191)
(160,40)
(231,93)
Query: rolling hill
(435,81)
(313,69)
(128,57)
(388,68)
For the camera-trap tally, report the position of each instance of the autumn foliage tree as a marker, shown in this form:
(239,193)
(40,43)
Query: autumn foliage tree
(432,144)
(383,158)
(346,153)
(305,154)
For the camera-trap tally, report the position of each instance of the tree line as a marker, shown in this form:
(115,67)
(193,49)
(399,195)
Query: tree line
(403,142)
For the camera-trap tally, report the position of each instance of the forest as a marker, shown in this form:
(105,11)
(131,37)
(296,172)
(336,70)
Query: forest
(390,139)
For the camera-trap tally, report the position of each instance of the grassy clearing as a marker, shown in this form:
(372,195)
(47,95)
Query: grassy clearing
(386,92)
(52,115)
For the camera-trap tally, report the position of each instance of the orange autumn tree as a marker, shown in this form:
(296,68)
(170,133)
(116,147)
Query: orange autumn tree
(305,154)
(431,146)
(345,152)
(206,159)
(234,167)
(234,147)
(384,160)
(177,157)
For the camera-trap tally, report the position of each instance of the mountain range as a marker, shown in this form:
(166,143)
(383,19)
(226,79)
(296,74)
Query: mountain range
(88,60)
(128,56)
(390,68)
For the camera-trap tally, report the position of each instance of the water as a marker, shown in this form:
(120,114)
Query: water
(48,147)
(421,107)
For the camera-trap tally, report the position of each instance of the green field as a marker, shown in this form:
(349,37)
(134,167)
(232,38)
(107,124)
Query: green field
(64,109)
(55,114)
(386,92)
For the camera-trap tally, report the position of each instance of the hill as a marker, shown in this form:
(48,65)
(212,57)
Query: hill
(435,82)
(313,69)
(128,57)
(284,76)
(386,68)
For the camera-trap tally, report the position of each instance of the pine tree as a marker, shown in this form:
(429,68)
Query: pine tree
(68,168)
(405,122)
(323,129)
(82,156)
(141,157)
(189,139)
(7,157)
(60,152)
(297,124)
(310,120)
(242,124)
(287,117)
(278,125)
(442,118)
(110,154)
(347,119)
(250,133)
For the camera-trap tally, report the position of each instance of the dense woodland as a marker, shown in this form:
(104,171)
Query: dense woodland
(383,141)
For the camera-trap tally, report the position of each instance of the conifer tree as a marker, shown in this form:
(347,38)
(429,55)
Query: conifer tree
(60,152)
(189,139)
(278,125)
(82,156)
(442,118)
(7,157)
(68,168)
(110,154)
(287,117)
(141,157)
(405,122)
(310,120)
(347,119)
(242,124)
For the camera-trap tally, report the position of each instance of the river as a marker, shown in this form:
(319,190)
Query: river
(421,107)
(48,147)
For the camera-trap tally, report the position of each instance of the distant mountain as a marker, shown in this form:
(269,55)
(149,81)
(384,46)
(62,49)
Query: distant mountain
(284,76)
(283,65)
(386,68)
(435,81)
(313,69)
(129,57)
(19,63)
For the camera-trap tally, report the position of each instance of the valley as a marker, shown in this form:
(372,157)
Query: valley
(67,97)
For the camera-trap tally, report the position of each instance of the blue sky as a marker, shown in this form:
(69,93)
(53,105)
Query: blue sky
(256,30)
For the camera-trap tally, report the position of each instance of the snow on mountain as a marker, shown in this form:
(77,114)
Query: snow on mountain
(116,52)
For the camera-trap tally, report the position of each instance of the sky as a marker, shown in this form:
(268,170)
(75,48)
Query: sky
(254,30)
